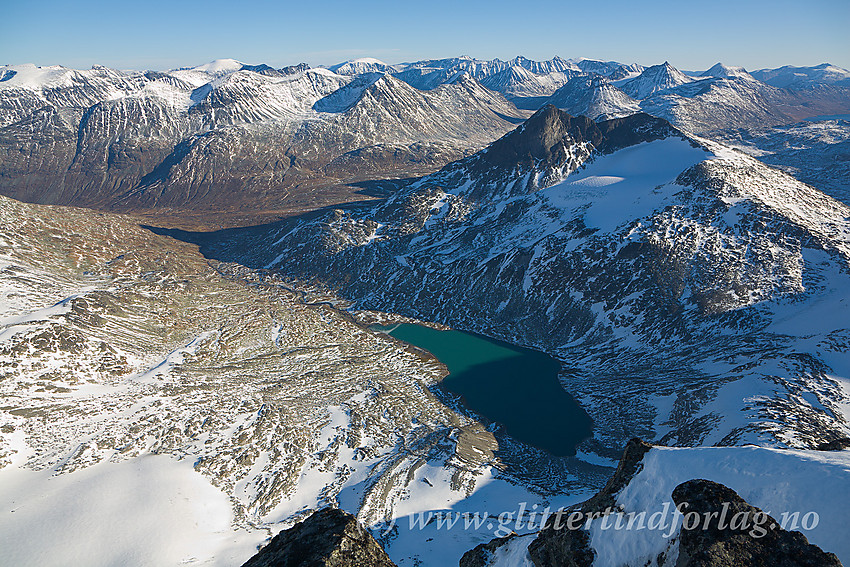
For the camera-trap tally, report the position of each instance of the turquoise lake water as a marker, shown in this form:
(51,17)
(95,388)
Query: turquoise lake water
(515,387)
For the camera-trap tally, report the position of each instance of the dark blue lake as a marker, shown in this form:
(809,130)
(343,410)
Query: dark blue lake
(515,387)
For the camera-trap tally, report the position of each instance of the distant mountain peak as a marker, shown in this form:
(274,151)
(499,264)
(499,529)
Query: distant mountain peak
(360,66)
(372,60)
(220,66)
(593,96)
(347,96)
(665,69)
(264,69)
(789,76)
(654,79)
(722,71)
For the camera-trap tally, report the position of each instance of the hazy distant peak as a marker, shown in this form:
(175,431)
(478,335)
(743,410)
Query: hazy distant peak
(725,72)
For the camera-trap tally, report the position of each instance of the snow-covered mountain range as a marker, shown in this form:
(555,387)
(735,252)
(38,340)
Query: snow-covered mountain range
(788,76)
(815,151)
(189,137)
(296,138)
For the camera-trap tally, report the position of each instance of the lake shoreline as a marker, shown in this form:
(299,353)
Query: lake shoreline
(515,387)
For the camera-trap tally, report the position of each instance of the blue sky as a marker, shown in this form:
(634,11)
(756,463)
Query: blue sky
(164,34)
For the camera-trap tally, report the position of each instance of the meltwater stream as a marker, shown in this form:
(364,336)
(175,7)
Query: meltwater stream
(515,387)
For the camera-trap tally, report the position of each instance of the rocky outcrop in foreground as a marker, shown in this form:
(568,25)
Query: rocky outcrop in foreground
(720,545)
(328,538)
(752,539)
(571,548)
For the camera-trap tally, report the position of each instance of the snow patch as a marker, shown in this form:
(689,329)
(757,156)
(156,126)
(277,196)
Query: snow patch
(626,185)
(147,511)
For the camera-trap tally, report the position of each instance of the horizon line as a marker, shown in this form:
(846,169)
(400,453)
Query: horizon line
(404,62)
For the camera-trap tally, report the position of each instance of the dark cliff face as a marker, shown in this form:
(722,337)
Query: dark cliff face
(571,548)
(541,138)
(328,538)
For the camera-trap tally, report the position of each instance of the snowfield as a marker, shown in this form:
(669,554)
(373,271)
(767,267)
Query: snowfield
(627,185)
(147,511)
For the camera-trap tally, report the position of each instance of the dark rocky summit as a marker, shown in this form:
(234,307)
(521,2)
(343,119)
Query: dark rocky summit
(546,137)
(721,545)
(328,538)
(541,138)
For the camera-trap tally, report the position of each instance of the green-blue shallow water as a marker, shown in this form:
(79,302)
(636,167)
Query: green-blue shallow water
(513,386)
